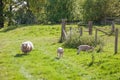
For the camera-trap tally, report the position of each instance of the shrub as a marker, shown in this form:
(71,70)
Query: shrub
(75,40)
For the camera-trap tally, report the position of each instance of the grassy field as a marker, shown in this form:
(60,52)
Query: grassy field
(42,64)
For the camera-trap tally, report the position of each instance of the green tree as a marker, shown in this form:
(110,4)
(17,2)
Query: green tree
(113,9)
(1,14)
(38,8)
(58,9)
(88,8)
(97,10)
(77,9)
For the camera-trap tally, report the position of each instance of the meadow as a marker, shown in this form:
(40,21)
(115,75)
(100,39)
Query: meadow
(42,62)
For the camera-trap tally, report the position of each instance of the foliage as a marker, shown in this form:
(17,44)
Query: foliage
(1,14)
(57,10)
(74,40)
(38,8)
(52,11)
(77,9)
(97,10)
(24,17)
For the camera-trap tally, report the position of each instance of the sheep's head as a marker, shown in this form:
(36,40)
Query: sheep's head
(24,46)
(92,48)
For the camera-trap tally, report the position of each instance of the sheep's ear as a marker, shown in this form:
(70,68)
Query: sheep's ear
(22,44)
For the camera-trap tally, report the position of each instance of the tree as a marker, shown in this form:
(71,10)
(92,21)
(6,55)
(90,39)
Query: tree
(8,14)
(98,10)
(58,9)
(38,8)
(77,9)
(114,8)
(1,15)
(88,7)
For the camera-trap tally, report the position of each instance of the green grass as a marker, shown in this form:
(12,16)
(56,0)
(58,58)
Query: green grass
(42,64)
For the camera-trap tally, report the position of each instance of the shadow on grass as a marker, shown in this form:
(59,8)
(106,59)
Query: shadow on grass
(9,28)
(20,55)
(57,58)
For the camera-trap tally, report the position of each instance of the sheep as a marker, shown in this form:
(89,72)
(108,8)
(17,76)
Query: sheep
(26,47)
(60,52)
(84,48)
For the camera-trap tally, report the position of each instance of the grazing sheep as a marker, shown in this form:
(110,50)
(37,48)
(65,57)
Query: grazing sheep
(27,47)
(60,52)
(84,48)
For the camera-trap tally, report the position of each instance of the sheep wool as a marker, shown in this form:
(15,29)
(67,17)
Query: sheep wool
(27,46)
(84,48)
(60,52)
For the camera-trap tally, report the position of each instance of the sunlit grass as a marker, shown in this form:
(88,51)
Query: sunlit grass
(42,64)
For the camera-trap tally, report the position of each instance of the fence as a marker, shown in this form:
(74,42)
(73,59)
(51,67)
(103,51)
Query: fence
(90,32)
(109,20)
(116,38)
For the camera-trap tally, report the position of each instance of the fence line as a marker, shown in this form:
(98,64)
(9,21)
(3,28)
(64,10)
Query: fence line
(64,35)
(116,38)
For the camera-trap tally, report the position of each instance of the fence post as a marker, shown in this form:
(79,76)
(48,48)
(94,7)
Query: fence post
(113,27)
(90,27)
(95,36)
(116,41)
(81,31)
(70,32)
(63,33)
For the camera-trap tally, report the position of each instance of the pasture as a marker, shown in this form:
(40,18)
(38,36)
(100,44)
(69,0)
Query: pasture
(42,64)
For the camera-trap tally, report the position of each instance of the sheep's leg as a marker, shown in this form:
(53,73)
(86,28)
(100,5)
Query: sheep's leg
(57,54)
(61,54)
(86,50)
(78,51)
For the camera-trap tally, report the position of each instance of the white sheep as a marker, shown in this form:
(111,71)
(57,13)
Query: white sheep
(27,47)
(84,48)
(60,52)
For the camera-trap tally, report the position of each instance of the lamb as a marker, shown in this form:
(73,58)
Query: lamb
(60,52)
(26,47)
(84,48)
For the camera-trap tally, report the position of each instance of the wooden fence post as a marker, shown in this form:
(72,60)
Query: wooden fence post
(116,41)
(113,27)
(81,31)
(63,31)
(70,32)
(90,27)
(95,36)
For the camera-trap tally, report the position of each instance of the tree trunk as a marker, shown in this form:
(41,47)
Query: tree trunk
(10,22)
(1,15)
(28,5)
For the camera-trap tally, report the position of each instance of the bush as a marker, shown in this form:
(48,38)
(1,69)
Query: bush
(75,40)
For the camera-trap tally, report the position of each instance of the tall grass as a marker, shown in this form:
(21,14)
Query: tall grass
(74,40)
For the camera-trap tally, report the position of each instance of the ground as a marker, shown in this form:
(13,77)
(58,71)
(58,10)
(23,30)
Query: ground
(42,63)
